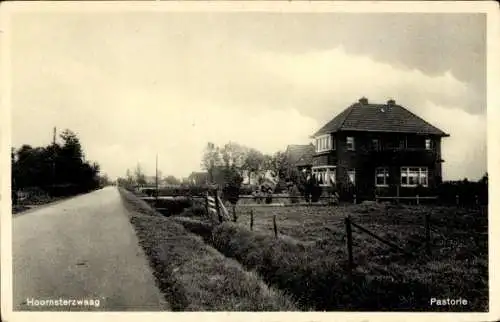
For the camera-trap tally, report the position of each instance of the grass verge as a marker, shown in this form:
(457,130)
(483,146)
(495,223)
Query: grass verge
(314,270)
(194,276)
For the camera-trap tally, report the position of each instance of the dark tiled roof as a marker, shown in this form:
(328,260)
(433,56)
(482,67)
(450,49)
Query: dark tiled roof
(305,160)
(379,118)
(300,153)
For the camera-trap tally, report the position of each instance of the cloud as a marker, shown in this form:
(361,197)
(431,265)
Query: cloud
(131,91)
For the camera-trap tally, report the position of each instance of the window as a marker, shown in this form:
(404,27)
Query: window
(381,177)
(324,143)
(325,176)
(352,176)
(350,143)
(402,143)
(428,144)
(375,144)
(411,177)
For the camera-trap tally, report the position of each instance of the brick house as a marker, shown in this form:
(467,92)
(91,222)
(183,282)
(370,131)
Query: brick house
(378,149)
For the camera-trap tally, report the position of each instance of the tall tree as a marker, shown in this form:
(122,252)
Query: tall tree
(140,177)
(254,160)
(211,159)
(43,167)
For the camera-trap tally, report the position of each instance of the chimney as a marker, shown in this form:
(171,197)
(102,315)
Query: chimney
(391,102)
(363,100)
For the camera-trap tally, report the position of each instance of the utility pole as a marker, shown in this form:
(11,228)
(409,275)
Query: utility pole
(156,179)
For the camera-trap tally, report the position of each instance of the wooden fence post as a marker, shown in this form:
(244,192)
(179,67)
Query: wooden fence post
(251,219)
(348,229)
(206,205)
(275,226)
(235,218)
(428,233)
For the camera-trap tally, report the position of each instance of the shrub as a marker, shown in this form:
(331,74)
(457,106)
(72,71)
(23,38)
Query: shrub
(173,206)
(195,210)
(246,190)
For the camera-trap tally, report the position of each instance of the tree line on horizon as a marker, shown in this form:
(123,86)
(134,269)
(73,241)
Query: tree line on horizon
(225,164)
(57,169)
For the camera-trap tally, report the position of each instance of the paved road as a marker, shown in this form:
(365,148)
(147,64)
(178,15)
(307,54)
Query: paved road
(81,248)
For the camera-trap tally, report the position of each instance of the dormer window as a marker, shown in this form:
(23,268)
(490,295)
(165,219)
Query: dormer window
(324,143)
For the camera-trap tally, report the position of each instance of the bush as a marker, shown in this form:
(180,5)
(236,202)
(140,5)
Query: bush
(246,190)
(466,190)
(173,206)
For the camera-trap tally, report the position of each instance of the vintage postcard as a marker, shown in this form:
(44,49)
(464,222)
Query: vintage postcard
(257,160)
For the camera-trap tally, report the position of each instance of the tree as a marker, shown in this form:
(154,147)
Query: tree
(234,154)
(72,146)
(14,175)
(54,166)
(172,180)
(231,189)
(254,161)
(211,159)
(104,180)
(140,177)
(484,179)
(129,178)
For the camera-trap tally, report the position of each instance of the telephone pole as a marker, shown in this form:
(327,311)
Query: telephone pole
(157,179)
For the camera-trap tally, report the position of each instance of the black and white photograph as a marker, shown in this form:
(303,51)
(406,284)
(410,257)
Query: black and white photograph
(225,157)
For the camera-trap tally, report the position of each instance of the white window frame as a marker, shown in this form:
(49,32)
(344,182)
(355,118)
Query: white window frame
(428,144)
(324,143)
(325,171)
(384,175)
(417,173)
(353,143)
(351,175)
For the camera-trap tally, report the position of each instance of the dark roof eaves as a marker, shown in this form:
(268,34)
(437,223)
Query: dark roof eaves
(443,134)
(323,131)
(418,117)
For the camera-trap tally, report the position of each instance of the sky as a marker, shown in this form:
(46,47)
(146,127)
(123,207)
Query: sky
(135,84)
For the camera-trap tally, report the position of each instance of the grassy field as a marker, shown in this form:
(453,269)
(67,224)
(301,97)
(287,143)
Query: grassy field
(309,257)
(194,276)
